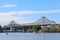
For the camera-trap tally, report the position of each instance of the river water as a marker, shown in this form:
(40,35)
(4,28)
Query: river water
(30,36)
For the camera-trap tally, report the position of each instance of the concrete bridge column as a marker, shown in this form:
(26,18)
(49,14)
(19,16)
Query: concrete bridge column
(11,29)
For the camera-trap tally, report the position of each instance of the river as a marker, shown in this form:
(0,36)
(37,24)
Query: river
(30,36)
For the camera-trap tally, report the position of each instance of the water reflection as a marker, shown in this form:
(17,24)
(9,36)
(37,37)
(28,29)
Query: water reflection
(30,36)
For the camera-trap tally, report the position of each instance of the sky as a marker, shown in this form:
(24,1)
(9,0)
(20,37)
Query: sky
(28,11)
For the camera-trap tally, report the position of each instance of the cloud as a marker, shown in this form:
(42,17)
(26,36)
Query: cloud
(6,17)
(7,6)
(35,12)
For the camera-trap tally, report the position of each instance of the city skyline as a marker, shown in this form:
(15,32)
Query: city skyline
(27,11)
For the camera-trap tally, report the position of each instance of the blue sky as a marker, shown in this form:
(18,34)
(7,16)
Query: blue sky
(26,11)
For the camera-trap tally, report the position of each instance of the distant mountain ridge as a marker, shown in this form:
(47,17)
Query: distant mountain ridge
(13,23)
(43,21)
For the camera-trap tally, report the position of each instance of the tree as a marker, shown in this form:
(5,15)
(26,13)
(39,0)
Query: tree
(30,30)
(1,29)
(58,28)
(34,28)
(53,28)
(44,29)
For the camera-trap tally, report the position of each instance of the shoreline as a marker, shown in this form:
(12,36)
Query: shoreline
(29,32)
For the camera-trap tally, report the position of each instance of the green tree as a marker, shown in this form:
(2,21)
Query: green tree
(58,28)
(1,29)
(44,29)
(34,28)
(30,30)
(53,28)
